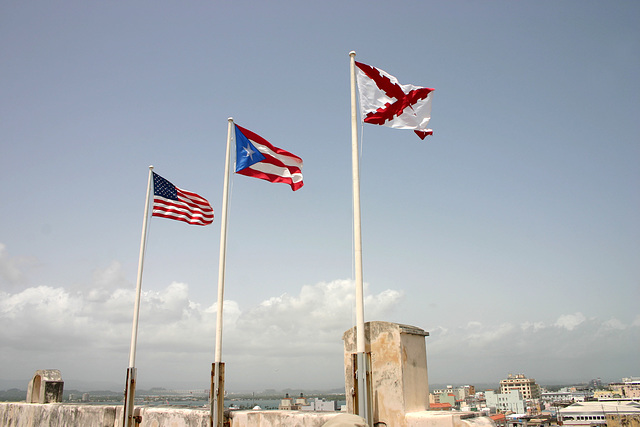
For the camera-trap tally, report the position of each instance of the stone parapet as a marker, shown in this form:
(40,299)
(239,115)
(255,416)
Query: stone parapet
(56,415)
(280,418)
(63,415)
(21,414)
(447,419)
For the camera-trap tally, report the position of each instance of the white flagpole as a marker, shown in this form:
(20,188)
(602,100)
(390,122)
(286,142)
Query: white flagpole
(217,380)
(130,388)
(363,395)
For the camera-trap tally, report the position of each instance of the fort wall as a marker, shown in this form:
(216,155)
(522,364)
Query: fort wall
(21,414)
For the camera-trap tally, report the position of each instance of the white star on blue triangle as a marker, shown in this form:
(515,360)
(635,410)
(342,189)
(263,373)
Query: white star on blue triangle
(246,153)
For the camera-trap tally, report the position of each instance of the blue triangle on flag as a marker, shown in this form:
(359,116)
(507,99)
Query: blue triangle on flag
(246,153)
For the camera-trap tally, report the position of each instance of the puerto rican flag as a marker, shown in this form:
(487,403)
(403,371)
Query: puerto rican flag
(384,101)
(256,157)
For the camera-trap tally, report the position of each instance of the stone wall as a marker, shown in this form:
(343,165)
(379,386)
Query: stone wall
(65,415)
(399,377)
(56,415)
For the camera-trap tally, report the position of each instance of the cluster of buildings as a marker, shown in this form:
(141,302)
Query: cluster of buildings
(305,404)
(521,402)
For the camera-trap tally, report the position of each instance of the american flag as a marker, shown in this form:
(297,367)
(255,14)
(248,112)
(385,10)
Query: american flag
(172,202)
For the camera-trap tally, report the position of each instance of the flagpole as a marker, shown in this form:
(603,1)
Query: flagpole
(217,372)
(130,388)
(362,389)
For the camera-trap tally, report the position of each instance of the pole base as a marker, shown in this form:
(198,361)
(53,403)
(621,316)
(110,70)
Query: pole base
(129,395)
(217,394)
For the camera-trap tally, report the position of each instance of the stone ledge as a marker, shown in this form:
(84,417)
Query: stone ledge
(447,419)
(20,414)
(280,418)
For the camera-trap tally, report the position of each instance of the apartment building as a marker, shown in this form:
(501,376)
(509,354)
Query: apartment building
(511,401)
(519,382)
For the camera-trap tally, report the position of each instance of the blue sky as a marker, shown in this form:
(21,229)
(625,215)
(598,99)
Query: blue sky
(511,235)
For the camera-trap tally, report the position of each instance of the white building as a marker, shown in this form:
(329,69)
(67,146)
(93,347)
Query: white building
(511,401)
(565,396)
(319,405)
(588,414)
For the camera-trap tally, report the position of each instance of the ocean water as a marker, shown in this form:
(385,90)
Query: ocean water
(264,404)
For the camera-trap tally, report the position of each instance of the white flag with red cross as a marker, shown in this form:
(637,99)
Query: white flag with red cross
(384,101)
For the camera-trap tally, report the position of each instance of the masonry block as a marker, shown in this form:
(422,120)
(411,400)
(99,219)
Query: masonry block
(46,386)
(399,378)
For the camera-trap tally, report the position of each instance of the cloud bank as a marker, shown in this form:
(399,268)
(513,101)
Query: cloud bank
(286,341)
(87,331)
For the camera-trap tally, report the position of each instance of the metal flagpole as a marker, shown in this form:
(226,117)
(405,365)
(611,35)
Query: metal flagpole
(362,389)
(217,371)
(130,387)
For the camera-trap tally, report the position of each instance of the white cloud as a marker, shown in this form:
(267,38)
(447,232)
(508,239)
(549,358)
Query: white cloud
(614,324)
(310,323)
(535,326)
(570,321)
(573,347)
(290,340)
(288,331)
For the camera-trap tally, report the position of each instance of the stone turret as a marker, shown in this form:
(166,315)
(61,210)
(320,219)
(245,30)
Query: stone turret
(46,386)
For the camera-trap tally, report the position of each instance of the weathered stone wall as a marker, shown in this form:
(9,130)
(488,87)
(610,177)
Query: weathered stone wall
(399,377)
(46,386)
(56,415)
(69,415)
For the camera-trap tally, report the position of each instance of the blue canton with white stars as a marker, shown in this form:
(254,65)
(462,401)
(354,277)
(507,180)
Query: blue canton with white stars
(163,188)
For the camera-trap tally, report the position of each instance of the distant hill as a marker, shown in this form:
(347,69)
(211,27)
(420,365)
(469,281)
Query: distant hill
(13,395)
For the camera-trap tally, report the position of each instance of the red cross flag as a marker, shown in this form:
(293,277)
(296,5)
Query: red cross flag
(384,101)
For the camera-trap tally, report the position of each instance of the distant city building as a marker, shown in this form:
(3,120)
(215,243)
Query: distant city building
(588,414)
(627,388)
(521,420)
(505,402)
(303,404)
(448,398)
(440,407)
(499,419)
(606,395)
(301,401)
(319,405)
(526,386)
(565,395)
(287,404)
(556,396)
(596,384)
(627,420)
(453,395)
